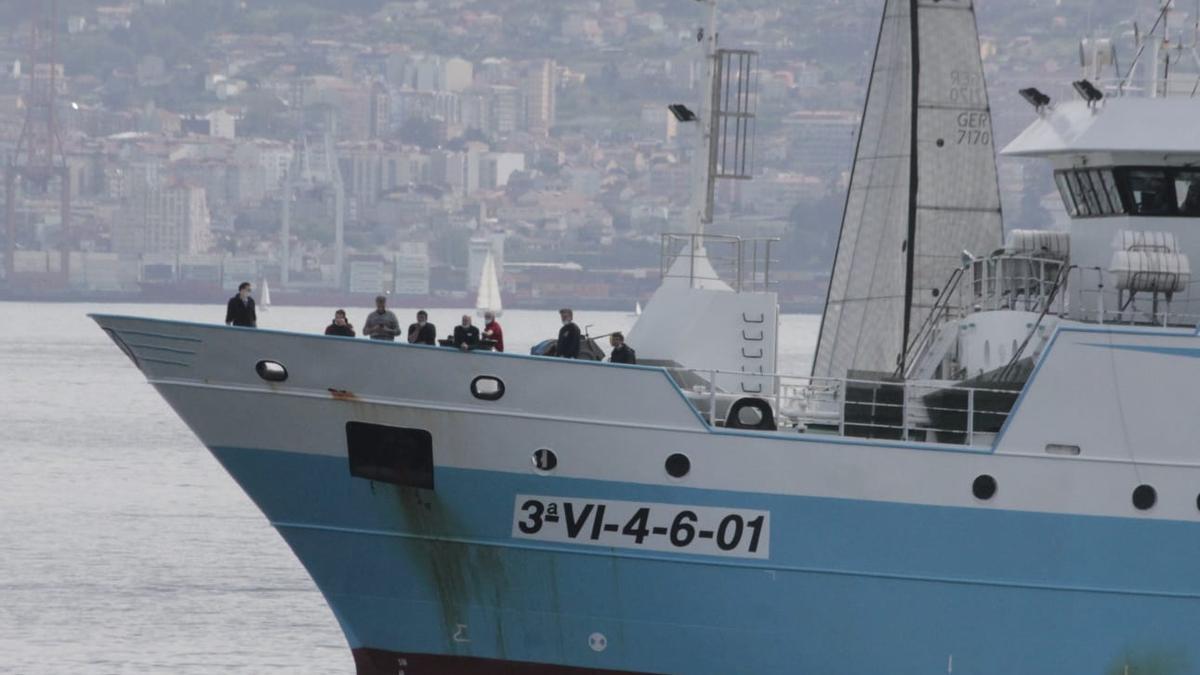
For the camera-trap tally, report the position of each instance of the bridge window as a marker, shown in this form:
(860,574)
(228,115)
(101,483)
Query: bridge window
(1187,193)
(1064,191)
(1151,192)
(1136,191)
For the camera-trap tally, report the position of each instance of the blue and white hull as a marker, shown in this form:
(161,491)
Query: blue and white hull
(772,553)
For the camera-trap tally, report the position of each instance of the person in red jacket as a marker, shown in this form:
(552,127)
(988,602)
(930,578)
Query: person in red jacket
(492,330)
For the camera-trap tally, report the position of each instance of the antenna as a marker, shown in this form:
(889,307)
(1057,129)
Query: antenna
(726,120)
(1141,47)
(38,158)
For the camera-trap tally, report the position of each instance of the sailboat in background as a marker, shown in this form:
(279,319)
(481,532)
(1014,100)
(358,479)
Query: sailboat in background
(264,300)
(488,298)
(923,188)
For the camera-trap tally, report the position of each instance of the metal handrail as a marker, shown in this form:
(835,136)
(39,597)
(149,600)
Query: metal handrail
(935,317)
(802,401)
(747,259)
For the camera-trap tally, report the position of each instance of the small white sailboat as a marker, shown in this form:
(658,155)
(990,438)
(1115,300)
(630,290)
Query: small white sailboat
(637,308)
(488,298)
(264,300)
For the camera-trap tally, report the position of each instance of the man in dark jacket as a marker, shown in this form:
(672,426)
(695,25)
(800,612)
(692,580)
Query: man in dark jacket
(340,325)
(466,336)
(240,310)
(422,332)
(621,353)
(568,335)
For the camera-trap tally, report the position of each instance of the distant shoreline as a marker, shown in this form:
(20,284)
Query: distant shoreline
(281,299)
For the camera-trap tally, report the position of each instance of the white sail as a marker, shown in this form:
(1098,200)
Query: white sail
(923,188)
(265,297)
(488,298)
(637,308)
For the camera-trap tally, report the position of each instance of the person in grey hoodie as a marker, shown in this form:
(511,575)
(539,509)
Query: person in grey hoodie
(381,324)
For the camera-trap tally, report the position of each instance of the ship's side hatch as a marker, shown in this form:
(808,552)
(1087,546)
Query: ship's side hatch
(397,455)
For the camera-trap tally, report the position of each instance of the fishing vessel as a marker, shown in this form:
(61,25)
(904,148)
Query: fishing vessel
(990,473)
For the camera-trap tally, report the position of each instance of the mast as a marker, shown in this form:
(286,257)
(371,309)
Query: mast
(910,248)
(704,158)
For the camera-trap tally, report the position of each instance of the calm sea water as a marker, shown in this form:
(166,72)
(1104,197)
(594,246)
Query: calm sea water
(124,546)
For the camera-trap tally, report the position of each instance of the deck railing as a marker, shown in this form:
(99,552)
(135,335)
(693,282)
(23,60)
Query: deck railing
(912,411)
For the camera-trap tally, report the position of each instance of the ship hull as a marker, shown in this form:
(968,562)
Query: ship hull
(431,579)
(873,556)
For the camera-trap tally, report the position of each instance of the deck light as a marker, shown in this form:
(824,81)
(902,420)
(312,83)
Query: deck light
(681,112)
(1087,91)
(1035,98)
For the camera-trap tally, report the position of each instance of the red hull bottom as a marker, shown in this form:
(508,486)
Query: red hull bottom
(382,662)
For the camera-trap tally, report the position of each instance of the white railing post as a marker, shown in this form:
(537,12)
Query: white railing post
(970,417)
(778,379)
(841,406)
(904,410)
(712,398)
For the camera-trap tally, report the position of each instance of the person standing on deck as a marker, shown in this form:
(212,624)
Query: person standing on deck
(340,325)
(568,335)
(240,309)
(422,332)
(492,330)
(466,336)
(621,353)
(381,324)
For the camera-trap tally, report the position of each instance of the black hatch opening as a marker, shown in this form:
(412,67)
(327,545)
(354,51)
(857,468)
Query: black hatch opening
(397,455)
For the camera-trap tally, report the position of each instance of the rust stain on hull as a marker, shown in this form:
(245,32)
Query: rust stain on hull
(342,394)
(463,575)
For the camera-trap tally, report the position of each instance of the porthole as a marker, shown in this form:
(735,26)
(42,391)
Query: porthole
(678,465)
(544,459)
(487,388)
(984,487)
(1198,502)
(271,371)
(1144,497)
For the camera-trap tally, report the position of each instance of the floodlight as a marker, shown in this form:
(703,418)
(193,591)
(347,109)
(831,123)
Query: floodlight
(1035,98)
(1087,91)
(681,112)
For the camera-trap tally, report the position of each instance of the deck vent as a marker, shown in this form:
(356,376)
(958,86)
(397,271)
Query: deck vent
(984,487)
(396,455)
(1061,449)
(678,465)
(271,371)
(1144,497)
(487,388)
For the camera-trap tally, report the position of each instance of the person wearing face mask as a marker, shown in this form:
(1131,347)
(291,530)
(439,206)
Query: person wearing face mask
(466,336)
(422,332)
(568,335)
(340,325)
(240,310)
(492,330)
(381,324)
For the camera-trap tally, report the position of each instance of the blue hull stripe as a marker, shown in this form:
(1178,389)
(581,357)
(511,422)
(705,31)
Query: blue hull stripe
(851,586)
